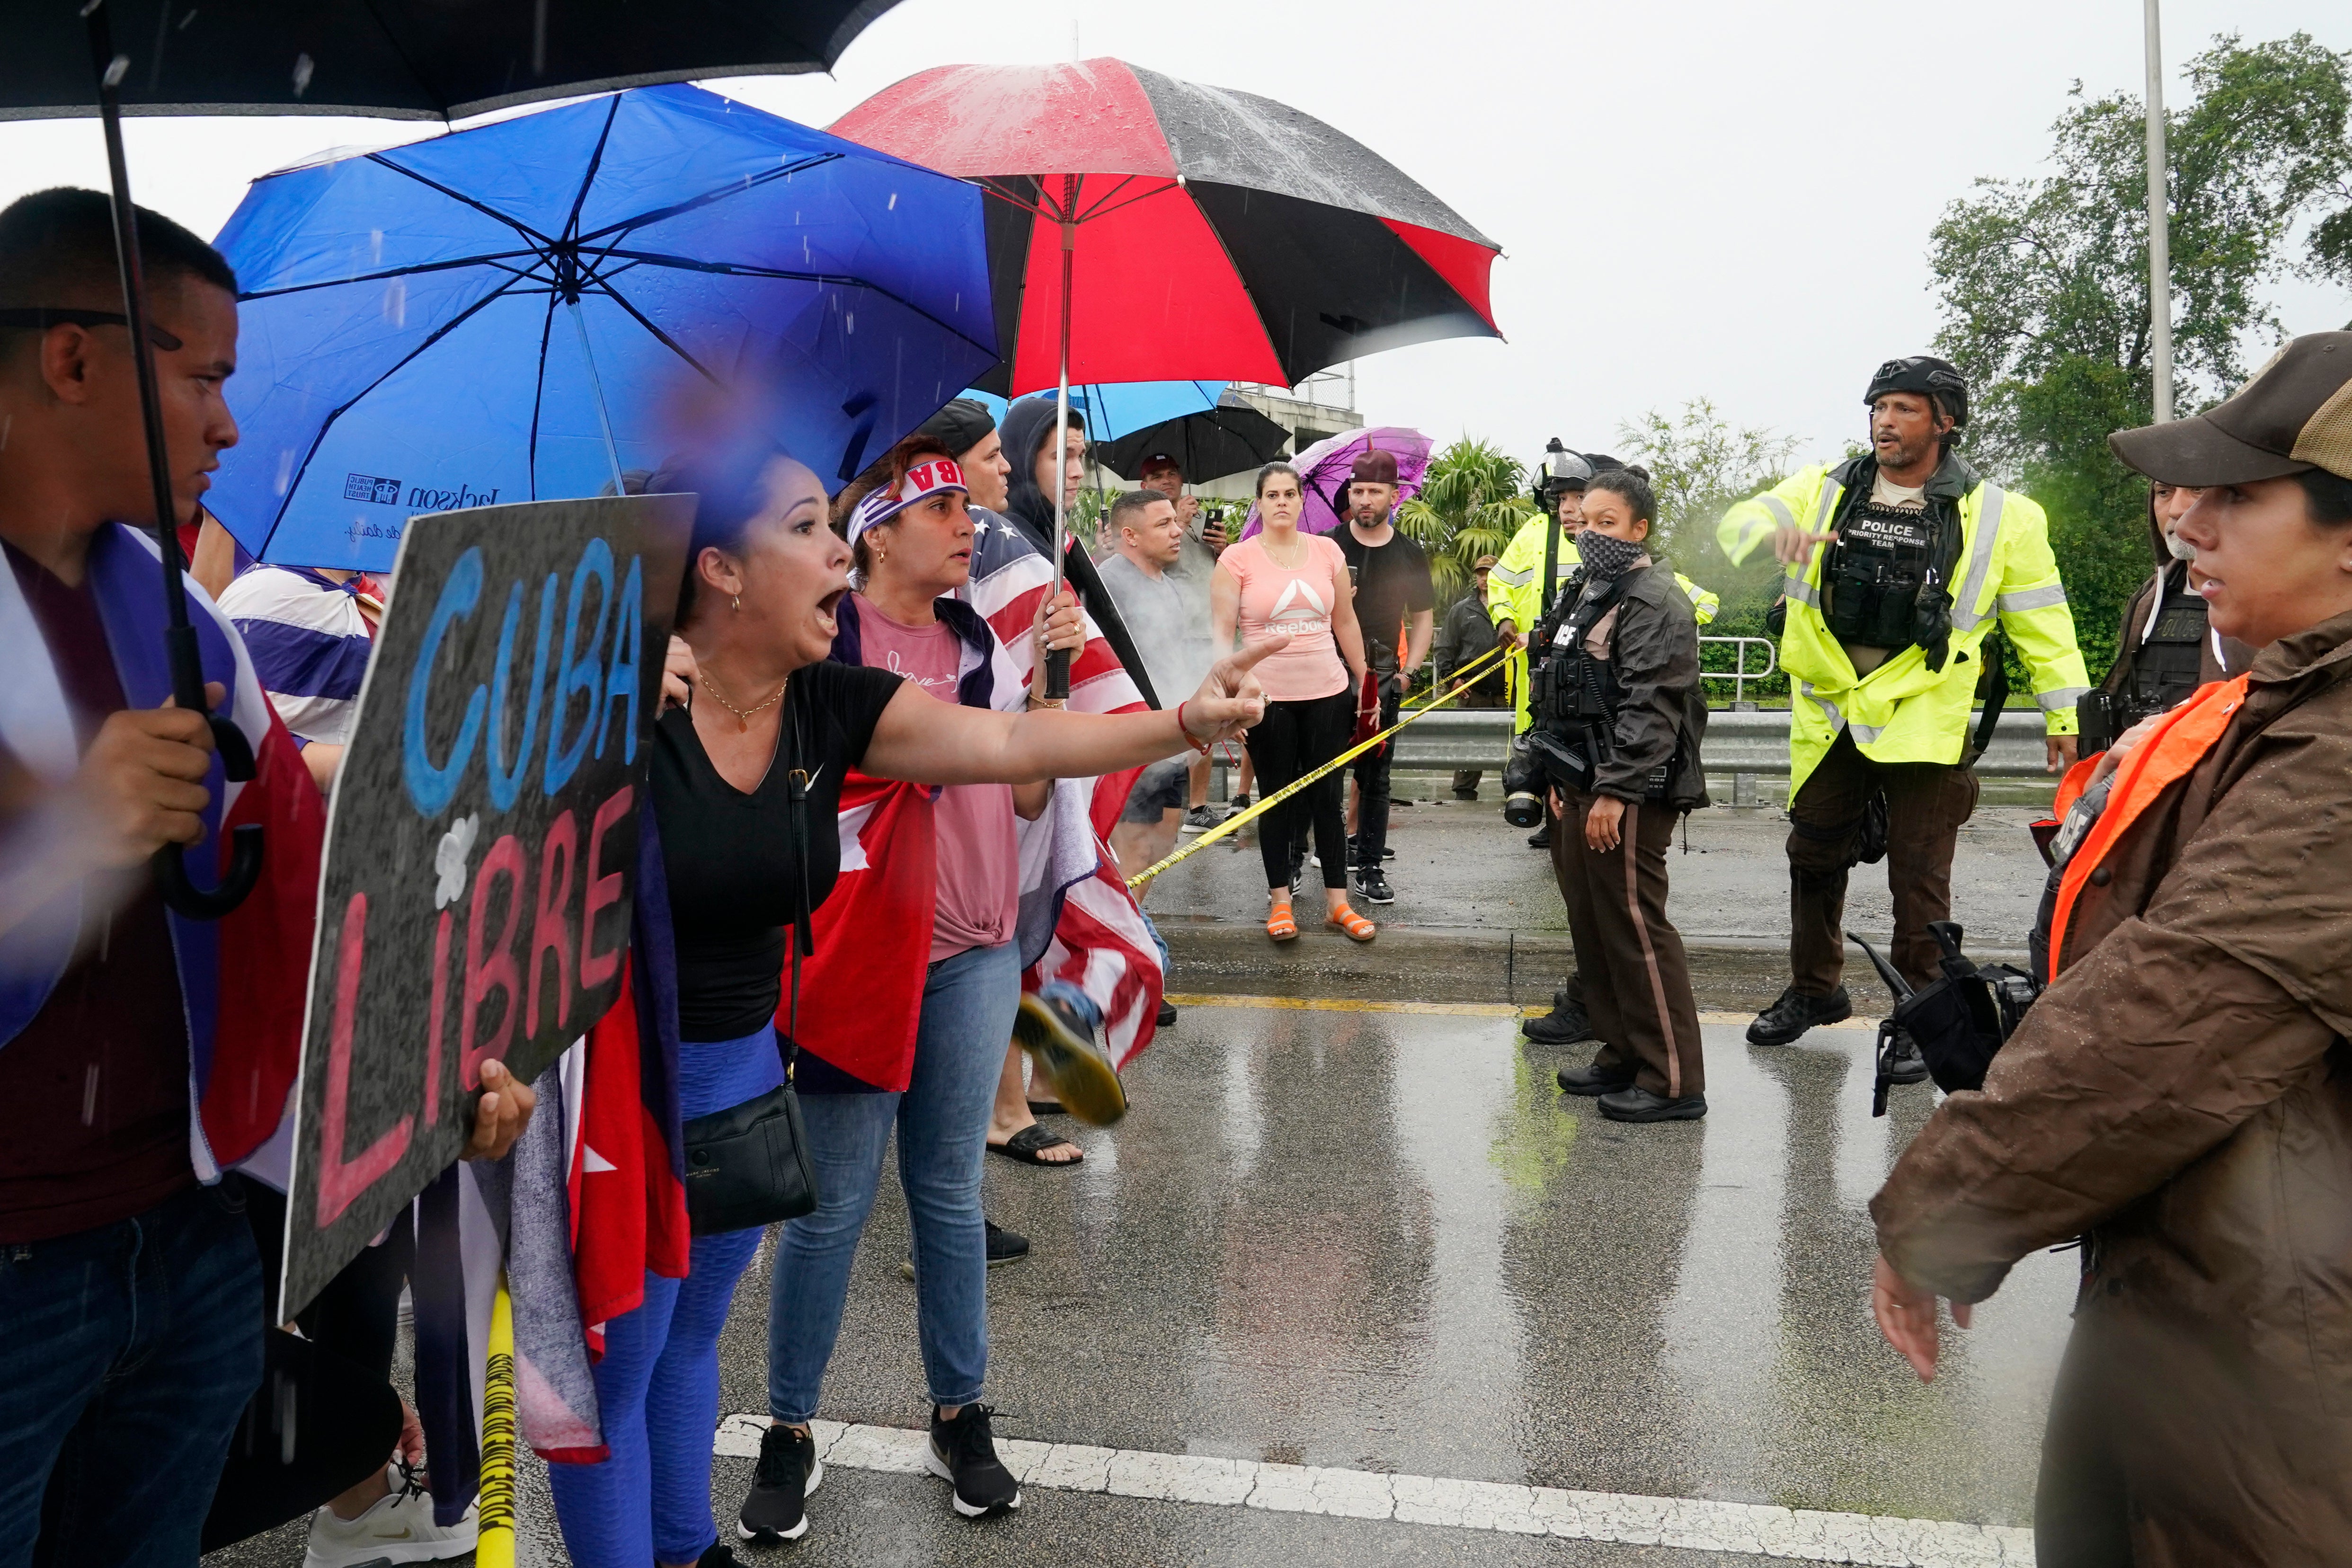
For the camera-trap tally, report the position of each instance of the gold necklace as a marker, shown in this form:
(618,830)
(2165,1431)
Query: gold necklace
(742,715)
(1296,550)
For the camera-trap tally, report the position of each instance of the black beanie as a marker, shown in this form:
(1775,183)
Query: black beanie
(961,427)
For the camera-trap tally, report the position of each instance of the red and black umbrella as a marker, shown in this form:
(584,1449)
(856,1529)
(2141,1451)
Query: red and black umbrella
(1214,234)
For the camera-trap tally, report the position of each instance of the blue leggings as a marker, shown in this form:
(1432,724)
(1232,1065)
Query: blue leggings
(657,1386)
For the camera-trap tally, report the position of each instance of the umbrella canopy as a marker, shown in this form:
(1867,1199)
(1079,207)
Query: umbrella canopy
(1111,412)
(1206,444)
(514,312)
(1216,234)
(408,59)
(1327,466)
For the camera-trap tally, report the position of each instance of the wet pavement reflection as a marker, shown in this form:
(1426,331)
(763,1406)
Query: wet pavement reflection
(1384,1240)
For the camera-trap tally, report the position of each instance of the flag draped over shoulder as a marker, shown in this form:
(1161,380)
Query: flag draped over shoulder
(245,980)
(873,936)
(1094,934)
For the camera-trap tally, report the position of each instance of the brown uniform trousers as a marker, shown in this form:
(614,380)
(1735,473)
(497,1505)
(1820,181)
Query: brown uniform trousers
(1629,958)
(1925,804)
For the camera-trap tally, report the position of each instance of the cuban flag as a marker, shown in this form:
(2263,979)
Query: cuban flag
(244,980)
(1095,937)
(873,936)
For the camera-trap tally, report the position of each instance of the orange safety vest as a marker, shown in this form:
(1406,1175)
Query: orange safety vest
(2184,737)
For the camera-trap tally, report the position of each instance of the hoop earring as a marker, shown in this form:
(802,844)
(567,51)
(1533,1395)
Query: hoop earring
(739,604)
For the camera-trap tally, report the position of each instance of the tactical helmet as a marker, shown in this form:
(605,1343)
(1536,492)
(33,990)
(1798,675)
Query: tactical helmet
(1924,374)
(1560,470)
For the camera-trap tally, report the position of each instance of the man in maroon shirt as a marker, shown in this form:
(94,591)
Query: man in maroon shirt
(130,1299)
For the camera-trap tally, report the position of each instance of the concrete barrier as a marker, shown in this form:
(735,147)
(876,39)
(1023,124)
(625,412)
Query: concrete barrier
(1736,742)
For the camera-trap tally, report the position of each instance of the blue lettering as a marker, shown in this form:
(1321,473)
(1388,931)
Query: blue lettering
(582,672)
(622,683)
(428,786)
(506,782)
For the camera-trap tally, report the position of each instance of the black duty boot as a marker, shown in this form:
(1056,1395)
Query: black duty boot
(1565,1025)
(1786,1021)
(1904,1063)
(1542,838)
(1595,1080)
(1630,1104)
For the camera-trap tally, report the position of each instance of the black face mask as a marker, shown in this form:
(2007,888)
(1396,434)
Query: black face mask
(1606,556)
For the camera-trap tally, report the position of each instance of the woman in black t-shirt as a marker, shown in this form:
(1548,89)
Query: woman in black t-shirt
(764,574)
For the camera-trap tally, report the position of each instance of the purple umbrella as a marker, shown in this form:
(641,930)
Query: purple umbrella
(1327,466)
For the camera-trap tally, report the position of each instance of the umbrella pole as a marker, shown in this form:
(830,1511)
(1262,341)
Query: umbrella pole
(604,419)
(179,636)
(1058,663)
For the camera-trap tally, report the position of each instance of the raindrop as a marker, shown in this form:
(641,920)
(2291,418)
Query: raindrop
(302,69)
(285,470)
(395,302)
(89,1096)
(849,321)
(375,247)
(894,203)
(184,21)
(115,68)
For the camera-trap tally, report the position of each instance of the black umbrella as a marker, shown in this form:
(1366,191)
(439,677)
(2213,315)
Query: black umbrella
(402,59)
(1206,444)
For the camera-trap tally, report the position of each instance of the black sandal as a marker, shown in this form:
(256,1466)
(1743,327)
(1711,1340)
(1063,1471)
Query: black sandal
(1030,1142)
(1048,1108)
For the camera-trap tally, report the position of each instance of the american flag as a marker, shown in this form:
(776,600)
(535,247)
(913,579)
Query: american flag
(1098,940)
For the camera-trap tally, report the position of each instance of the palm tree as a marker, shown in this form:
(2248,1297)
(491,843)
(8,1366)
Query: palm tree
(1473,498)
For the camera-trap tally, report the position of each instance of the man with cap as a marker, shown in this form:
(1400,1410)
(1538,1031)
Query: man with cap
(1395,604)
(1197,553)
(1467,634)
(1884,634)
(2176,1098)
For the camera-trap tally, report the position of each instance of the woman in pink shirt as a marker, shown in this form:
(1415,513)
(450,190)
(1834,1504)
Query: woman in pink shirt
(1281,579)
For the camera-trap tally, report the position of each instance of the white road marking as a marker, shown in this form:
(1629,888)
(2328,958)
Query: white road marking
(1806,1535)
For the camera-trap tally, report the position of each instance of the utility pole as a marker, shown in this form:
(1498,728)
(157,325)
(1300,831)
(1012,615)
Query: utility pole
(2159,232)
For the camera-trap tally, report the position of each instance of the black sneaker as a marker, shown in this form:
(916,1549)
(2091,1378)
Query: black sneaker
(1904,1063)
(1373,883)
(1786,1021)
(1166,1017)
(1298,871)
(1542,838)
(720,1555)
(1003,1246)
(1063,1050)
(1239,803)
(1354,855)
(1595,1081)
(1566,1024)
(962,1452)
(1639,1105)
(789,1470)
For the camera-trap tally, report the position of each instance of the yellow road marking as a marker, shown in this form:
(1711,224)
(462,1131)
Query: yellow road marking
(1437,1009)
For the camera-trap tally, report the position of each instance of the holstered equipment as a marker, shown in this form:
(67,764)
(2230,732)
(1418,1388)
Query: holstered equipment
(1573,698)
(1959,1022)
(1886,578)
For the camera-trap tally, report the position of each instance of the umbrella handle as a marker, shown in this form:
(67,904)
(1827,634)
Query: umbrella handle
(1057,674)
(183,897)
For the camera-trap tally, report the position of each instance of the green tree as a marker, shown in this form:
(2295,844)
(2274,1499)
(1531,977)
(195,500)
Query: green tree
(2045,292)
(1473,498)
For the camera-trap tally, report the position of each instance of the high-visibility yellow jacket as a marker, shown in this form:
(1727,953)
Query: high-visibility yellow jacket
(1515,593)
(1902,711)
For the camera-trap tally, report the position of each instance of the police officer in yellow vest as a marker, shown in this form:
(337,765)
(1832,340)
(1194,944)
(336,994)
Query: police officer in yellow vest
(1895,565)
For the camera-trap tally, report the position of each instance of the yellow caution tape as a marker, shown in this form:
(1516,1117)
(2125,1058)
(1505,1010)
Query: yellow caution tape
(494,1546)
(1464,683)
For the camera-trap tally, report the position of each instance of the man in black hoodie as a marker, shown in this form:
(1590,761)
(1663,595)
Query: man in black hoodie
(1028,436)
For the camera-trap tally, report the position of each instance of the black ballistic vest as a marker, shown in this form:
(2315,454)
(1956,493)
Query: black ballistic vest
(2169,664)
(1573,698)
(1882,561)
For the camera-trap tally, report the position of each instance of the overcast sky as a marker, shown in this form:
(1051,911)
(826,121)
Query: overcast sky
(1719,198)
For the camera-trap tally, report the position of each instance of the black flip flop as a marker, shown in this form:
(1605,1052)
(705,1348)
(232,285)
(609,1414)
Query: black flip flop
(1030,1141)
(1048,1108)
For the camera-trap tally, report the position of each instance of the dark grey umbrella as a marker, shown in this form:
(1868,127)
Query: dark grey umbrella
(1207,445)
(402,59)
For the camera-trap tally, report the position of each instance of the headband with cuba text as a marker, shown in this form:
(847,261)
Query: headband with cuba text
(931,476)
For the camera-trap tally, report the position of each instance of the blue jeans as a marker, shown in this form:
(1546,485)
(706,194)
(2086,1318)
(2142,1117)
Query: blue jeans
(969,1003)
(127,1354)
(657,1386)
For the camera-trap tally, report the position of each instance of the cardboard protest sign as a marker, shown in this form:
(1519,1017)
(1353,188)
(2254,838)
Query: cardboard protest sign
(481,844)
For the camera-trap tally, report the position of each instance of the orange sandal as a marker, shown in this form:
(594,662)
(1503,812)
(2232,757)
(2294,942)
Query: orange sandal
(1353,924)
(1281,924)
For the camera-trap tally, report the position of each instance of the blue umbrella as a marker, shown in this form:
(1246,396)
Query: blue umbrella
(1120,408)
(520,311)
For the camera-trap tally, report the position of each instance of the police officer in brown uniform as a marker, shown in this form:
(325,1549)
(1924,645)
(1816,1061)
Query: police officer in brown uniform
(1617,719)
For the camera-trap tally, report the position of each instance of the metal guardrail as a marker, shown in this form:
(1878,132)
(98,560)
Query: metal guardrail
(1736,742)
(1739,674)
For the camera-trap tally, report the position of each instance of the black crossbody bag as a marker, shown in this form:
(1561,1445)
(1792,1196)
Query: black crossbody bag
(748,1165)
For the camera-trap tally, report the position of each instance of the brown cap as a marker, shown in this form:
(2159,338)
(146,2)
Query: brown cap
(1484,563)
(2295,415)
(1374,466)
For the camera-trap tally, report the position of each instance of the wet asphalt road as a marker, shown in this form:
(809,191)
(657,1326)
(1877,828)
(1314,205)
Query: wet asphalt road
(1382,1240)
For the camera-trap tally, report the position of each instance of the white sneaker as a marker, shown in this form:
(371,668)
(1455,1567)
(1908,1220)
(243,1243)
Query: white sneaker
(397,1529)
